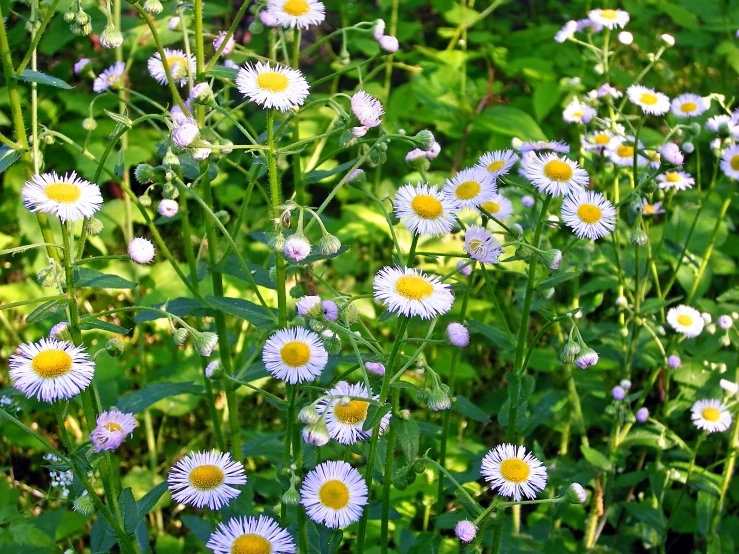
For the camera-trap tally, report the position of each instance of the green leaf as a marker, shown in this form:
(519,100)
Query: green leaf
(47,309)
(30,76)
(470,410)
(653,305)
(654,519)
(141,399)
(8,157)
(102,539)
(408,436)
(127,506)
(104,326)
(244,309)
(509,121)
(199,527)
(596,458)
(729,296)
(150,499)
(180,307)
(557,279)
(374,415)
(498,337)
(85,277)
(231,266)
(222,72)
(27,534)
(704,509)
(319,175)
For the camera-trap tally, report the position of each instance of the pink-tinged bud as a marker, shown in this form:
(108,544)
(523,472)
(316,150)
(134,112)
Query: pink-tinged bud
(141,250)
(389,44)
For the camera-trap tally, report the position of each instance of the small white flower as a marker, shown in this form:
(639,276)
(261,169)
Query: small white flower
(730,162)
(297,13)
(345,417)
(249,535)
(334,494)
(498,162)
(108,77)
(499,207)
(538,145)
(607,90)
(278,87)
(650,101)
(556,175)
(471,187)
(514,472)
(566,32)
(686,320)
(481,245)
(412,293)
(589,214)
(205,478)
(689,105)
(621,152)
(669,40)
(141,250)
(725,322)
(425,210)
(111,430)
(711,415)
(69,198)
(677,180)
(611,19)
(715,124)
(578,112)
(179,65)
(625,37)
(168,208)
(367,109)
(294,355)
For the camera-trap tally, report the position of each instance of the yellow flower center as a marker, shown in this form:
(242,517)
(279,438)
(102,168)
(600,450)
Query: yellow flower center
(496,166)
(64,193)
(295,354)
(113,427)
(589,213)
(467,190)
(685,320)
(608,14)
(476,245)
(251,544)
(648,98)
(413,287)
(673,177)
(491,207)
(735,163)
(353,413)
(334,494)
(206,477)
(711,414)
(557,170)
(296,7)
(111,78)
(51,363)
(625,151)
(427,206)
(602,139)
(648,209)
(578,115)
(514,470)
(272,81)
(172,60)
(688,107)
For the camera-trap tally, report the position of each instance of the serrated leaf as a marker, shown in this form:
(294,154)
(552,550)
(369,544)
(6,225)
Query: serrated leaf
(470,410)
(408,436)
(248,311)
(141,399)
(47,309)
(374,415)
(102,539)
(27,534)
(85,277)
(8,156)
(596,458)
(31,76)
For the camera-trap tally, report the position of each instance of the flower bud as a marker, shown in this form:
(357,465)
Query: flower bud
(187,133)
(688,147)
(89,124)
(438,400)
(329,244)
(671,153)
(669,40)
(389,44)
(331,342)
(114,347)
(153,7)
(202,94)
(291,497)
(178,71)
(576,494)
(424,139)
(309,307)
(214,370)
(465,531)
(351,312)
(69,16)
(639,237)
(309,415)
(618,393)
(551,258)
(642,415)
(84,505)
(47,276)
(205,342)
(457,335)
(588,357)
(111,37)
(316,433)
(180,336)
(297,248)
(625,384)
(82,18)
(144,173)
(569,351)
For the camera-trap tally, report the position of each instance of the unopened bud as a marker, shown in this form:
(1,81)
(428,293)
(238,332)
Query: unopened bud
(114,347)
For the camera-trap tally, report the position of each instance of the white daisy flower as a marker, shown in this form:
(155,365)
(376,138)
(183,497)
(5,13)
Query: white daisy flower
(471,187)
(585,25)
(50,370)
(577,112)
(180,66)
(514,472)
(589,214)
(106,79)
(294,355)
(538,145)
(334,494)
(412,293)
(499,207)
(678,180)
(686,320)
(715,123)
(297,13)
(729,386)
(689,105)
(611,19)
(249,535)
(367,108)
(650,101)
(711,415)
(69,198)
(621,152)
(205,479)
(566,32)
(481,245)
(278,87)
(345,417)
(111,430)
(556,175)
(597,141)
(730,162)
(425,210)
(498,162)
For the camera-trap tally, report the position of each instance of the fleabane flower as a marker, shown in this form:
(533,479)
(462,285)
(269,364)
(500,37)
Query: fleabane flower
(597,141)
(686,320)
(180,66)
(513,472)
(652,209)
(229,44)
(205,478)
(611,19)
(498,162)
(367,109)
(108,77)
(249,535)
(410,292)
(69,198)
(499,207)
(294,355)
(556,175)
(278,87)
(334,494)
(578,112)
(689,105)
(710,415)
(730,162)
(729,386)
(539,145)
(589,214)
(297,13)
(650,101)
(621,152)
(471,187)
(677,180)
(111,430)
(345,417)
(716,124)
(481,245)
(50,370)
(588,24)
(566,32)
(425,209)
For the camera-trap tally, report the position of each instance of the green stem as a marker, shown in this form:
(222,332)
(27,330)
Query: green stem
(20,303)
(727,475)
(387,478)
(275,191)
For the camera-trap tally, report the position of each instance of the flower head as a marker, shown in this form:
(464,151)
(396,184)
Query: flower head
(686,320)
(514,472)
(334,494)
(556,175)
(498,162)
(689,105)
(205,479)
(179,64)
(730,162)
(296,247)
(674,361)
(108,77)
(230,43)
(725,322)
(611,19)
(499,207)
(457,335)
(470,187)
(141,250)
(111,430)
(69,197)
(481,245)
(81,65)
(671,153)
(375,367)
(710,415)
(389,43)
(652,209)
(294,355)
(589,214)
(345,416)
(297,13)
(249,535)
(278,87)
(465,531)
(650,101)
(186,133)
(425,210)
(566,32)
(367,109)
(677,180)
(410,292)
(642,415)
(168,208)
(578,112)
(729,386)
(618,393)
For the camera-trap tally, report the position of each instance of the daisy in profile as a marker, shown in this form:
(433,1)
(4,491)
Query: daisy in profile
(205,478)
(278,87)
(589,214)
(334,494)
(566,32)
(180,66)
(294,355)
(367,109)
(577,112)
(611,19)
(677,180)
(471,187)
(108,77)
(51,370)
(588,25)
(345,416)
(425,209)
(650,101)
(686,320)
(556,175)
(498,162)
(412,293)
(711,415)
(652,209)
(297,13)
(715,124)
(69,198)
(499,207)
(621,152)
(111,430)
(538,145)
(514,472)
(689,105)
(249,535)
(481,245)
(730,162)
